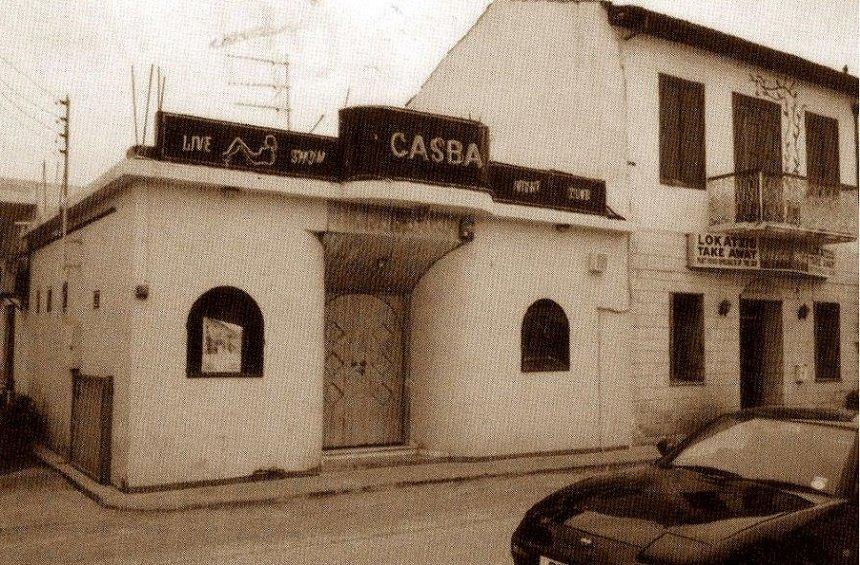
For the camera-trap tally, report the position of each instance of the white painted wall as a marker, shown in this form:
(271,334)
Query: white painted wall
(49,343)
(659,269)
(546,78)
(469,396)
(663,214)
(684,209)
(195,239)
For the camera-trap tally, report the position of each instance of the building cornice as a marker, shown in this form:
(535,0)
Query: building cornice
(642,21)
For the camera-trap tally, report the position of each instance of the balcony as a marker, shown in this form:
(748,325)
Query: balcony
(781,205)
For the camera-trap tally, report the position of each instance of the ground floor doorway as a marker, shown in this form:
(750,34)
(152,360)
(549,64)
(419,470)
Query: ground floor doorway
(364,370)
(761,361)
(374,257)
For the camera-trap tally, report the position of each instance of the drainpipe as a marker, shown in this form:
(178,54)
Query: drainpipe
(854,109)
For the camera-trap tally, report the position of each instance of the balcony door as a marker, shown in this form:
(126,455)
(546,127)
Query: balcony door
(758,147)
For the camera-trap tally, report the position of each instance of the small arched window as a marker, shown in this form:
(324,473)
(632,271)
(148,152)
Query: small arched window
(225,335)
(545,338)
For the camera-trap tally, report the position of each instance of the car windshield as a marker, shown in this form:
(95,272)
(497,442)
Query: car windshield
(811,455)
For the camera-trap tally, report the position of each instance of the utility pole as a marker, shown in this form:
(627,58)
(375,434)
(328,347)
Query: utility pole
(44,198)
(67,104)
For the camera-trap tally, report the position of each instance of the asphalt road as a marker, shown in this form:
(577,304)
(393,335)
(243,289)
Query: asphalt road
(45,520)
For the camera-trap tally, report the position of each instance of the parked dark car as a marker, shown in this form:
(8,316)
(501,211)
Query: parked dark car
(767,485)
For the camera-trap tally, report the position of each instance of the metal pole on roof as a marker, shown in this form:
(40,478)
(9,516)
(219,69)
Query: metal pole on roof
(65,151)
(44,209)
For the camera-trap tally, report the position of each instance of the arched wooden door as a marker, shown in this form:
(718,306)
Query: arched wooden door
(363,398)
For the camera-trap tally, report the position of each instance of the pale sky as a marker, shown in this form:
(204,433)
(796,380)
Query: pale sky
(341,52)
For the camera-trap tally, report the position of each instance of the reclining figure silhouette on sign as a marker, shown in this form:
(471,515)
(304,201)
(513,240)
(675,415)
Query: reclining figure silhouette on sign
(266,155)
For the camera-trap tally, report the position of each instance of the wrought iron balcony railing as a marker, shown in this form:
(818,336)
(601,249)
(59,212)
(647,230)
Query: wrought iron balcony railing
(781,205)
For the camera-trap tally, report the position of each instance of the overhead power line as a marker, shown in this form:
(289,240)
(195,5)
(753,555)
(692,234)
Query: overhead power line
(26,99)
(33,81)
(26,125)
(26,113)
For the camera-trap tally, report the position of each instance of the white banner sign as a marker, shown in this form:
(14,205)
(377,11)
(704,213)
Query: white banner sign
(724,251)
(720,251)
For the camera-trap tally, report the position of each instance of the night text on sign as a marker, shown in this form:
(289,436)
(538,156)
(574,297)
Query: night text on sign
(526,186)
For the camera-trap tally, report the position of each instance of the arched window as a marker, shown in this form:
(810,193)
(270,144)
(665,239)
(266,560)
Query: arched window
(225,335)
(545,338)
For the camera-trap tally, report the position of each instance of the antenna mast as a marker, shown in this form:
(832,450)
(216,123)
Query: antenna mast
(281,94)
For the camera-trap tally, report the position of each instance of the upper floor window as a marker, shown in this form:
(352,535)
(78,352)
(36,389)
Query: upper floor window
(49,301)
(682,132)
(225,335)
(687,347)
(822,151)
(545,338)
(827,338)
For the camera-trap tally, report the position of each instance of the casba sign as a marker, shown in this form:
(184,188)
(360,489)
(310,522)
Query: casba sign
(396,143)
(449,151)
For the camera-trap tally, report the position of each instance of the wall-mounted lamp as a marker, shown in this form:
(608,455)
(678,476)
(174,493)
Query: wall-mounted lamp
(467,228)
(141,291)
(381,262)
(802,312)
(724,308)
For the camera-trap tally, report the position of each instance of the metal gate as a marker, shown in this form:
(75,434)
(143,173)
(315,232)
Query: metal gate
(90,442)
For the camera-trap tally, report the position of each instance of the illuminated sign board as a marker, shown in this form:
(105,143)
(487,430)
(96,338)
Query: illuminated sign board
(547,189)
(377,143)
(189,139)
(396,143)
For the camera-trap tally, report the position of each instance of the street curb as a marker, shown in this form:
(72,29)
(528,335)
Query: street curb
(334,482)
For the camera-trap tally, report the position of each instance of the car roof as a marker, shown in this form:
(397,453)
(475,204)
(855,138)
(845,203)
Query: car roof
(829,415)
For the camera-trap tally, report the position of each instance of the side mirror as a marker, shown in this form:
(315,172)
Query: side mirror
(663,447)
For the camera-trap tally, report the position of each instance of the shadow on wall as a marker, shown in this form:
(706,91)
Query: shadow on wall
(20,426)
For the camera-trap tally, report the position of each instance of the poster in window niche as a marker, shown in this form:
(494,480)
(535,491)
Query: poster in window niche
(222,347)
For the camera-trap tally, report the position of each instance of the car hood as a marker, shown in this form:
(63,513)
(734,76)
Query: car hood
(651,506)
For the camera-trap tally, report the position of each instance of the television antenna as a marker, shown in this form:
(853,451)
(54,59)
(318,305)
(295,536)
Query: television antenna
(280,87)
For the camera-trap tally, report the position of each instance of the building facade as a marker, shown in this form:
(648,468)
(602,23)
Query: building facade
(725,149)
(531,258)
(238,300)
(18,206)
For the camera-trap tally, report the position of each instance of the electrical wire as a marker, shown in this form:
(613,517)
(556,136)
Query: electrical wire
(33,81)
(20,122)
(26,113)
(26,99)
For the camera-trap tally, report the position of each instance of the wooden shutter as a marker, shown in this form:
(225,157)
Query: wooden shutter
(682,132)
(827,342)
(822,150)
(757,134)
(670,128)
(692,121)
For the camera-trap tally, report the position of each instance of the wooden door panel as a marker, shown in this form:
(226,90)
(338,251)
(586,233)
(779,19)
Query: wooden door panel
(363,398)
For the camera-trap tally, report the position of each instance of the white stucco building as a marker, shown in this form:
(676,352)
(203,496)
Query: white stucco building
(681,118)
(500,269)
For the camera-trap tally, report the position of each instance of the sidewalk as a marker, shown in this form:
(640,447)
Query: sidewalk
(345,475)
